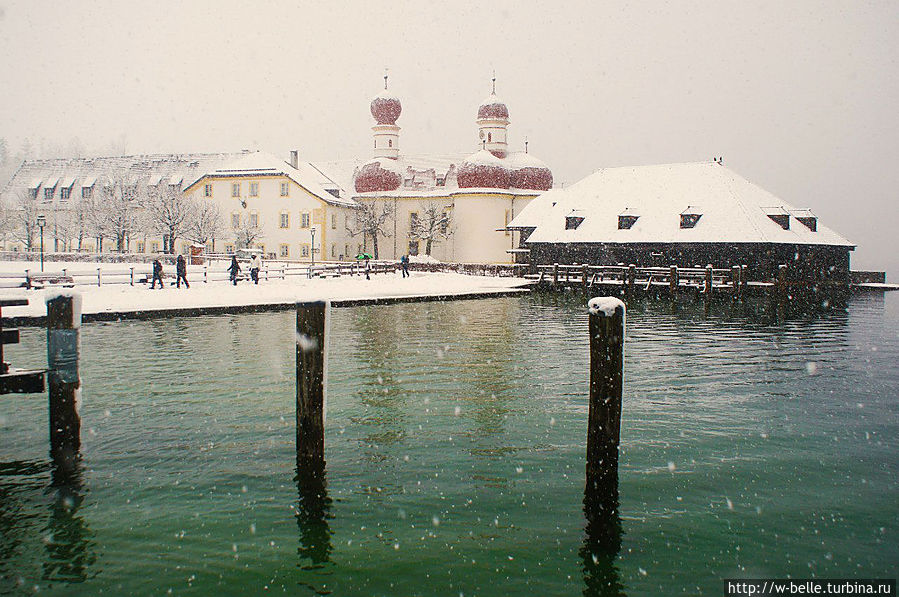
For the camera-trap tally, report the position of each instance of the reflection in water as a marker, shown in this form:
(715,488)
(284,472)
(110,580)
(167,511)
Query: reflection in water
(312,514)
(68,544)
(603,537)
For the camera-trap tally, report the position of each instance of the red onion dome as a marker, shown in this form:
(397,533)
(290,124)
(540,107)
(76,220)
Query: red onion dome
(377,176)
(483,170)
(527,172)
(493,107)
(386,108)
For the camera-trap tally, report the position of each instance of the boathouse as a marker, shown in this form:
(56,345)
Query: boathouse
(687,215)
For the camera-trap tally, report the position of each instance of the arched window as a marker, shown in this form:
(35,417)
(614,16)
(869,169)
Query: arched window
(389,142)
(489,137)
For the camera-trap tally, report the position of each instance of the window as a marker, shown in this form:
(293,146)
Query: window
(285,220)
(65,193)
(140,246)
(229,248)
(413,247)
(207,190)
(413,220)
(235,189)
(333,251)
(489,137)
(572,222)
(627,218)
(333,221)
(48,193)
(254,189)
(254,220)
(346,250)
(389,142)
(154,246)
(283,251)
(304,250)
(285,189)
(444,222)
(779,216)
(33,193)
(689,220)
(304,219)
(235,220)
(86,192)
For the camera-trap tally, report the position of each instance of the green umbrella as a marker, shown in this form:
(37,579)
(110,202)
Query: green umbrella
(362,256)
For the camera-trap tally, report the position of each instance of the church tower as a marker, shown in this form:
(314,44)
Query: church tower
(386,108)
(493,122)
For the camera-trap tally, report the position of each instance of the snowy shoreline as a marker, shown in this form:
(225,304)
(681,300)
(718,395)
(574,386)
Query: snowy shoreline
(123,301)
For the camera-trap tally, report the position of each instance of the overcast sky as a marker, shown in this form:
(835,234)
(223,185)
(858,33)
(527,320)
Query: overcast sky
(799,97)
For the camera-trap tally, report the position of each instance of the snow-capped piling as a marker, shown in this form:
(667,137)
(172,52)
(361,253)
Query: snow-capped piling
(311,352)
(606,326)
(64,380)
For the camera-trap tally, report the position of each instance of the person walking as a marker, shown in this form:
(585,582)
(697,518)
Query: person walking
(234,269)
(404,262)
(255,266)
(181,267)
(367,269)
(157,275)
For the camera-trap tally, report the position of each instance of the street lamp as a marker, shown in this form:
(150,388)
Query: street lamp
(312,251)
(41,222)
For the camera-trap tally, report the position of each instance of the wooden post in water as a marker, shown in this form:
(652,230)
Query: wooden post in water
(555,274)
(585,271)
(606,325)
(311,383)
(780,283)
(708,280)
(735,280)
(631,277)
(64,381)
(672,279)
(744,279)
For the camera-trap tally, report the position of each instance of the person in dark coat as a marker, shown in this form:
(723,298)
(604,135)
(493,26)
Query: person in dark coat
(404,262)
(234,269)
(367,269)
(157,275)
(181,266)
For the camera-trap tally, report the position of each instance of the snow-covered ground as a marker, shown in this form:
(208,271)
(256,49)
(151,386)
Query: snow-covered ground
(124,298)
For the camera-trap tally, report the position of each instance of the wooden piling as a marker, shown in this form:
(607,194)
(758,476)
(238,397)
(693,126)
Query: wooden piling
(555,274)
(735,280)
(631,277)
(673,279)
(606,327)
(310,332)
(64,381)
(584,273)
(708,280)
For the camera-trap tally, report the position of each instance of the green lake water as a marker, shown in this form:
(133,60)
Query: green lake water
(753,444)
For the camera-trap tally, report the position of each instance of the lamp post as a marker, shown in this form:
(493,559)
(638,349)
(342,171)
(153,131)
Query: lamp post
(41,222)
(312,250)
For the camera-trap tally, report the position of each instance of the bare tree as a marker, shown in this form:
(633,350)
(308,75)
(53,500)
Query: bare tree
(248,231)
(169,213)
(95,216)
(432,225)
(371,219)
(206,224)
(119,207)
(24,219)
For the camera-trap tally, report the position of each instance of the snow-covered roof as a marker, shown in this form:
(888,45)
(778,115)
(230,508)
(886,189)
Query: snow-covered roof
(133,168)
(482,157)
(51,182)
(522,159)
(733,209)
(68,181)
(260,163)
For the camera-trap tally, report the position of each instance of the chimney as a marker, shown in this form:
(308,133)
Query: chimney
(295,158)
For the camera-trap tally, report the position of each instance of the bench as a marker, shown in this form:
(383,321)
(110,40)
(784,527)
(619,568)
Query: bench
(41,280)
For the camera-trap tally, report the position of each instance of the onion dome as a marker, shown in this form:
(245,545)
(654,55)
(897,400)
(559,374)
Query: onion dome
(386,108)
(378,176)
(527,172)
(483,170)
(493,108)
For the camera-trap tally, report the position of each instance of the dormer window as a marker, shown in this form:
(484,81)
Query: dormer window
(572,222)
(779,216)
(627,219)
(809,219)
(690,217)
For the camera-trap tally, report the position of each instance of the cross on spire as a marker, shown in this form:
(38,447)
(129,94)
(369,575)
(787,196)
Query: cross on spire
(494,81)
(385,78)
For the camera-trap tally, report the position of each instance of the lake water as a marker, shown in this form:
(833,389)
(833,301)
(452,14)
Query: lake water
(753,444)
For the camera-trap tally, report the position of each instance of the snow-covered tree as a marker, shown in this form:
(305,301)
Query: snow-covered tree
(24,219)
(206,224)
(248,231)
(119,207)
(370,219)
(169,213)
(432,224)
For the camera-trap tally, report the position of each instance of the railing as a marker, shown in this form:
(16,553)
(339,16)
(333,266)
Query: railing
(631,276)
(143,274)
